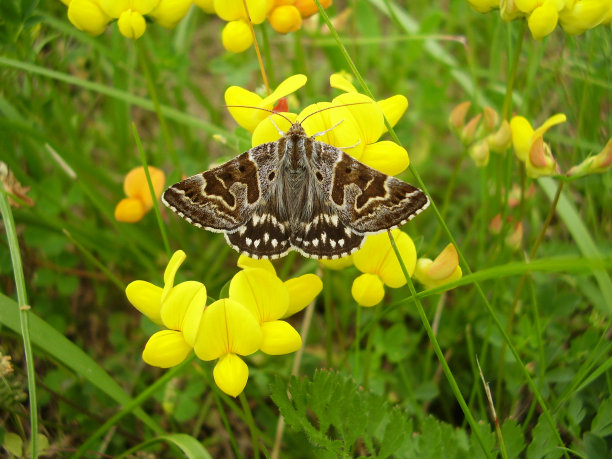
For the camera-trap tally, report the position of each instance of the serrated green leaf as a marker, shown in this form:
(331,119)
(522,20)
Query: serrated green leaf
(543,443)
(602,423)
(513,438)
(595,447)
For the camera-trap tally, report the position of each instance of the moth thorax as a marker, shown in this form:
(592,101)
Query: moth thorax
(296,129)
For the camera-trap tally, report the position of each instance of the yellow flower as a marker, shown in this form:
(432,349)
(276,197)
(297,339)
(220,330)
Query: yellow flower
(355,126)
(530,147)
(136,188)
(285,19)
(309,7)
(377,260)
(227,330)
(249,118)
(92,16)
(177,307)
(444,269)
(232,10)
(543,19)
(484,6)
(237,36)
(302,290)
(597,164)
(479,152)
(208,6)
(582,15)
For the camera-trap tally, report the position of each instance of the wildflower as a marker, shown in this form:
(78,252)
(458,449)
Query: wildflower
(456,120)
(338,263)
(136,188)
(469,130)
(249,118)
(377,260)
(285,19)
(495,225)
(92,16)
(501,139)
(444,269)
(597,164)
(302,290)
(357,122)
(530,147)
(13,187)
(227,330)
(484,6)
(479,152)
(177,307)
(581,15)
(515,237)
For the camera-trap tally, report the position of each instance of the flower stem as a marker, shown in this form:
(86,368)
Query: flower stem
(24,311)
(160,223)
(519,289)
(513,64)
(251,422)
(144,62)
(264,76)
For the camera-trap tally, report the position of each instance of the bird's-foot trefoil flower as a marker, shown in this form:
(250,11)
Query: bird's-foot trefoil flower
(530,147)
(92,16)
(139,200)
(380,266)
(179,308)
(444,269)
(597,164)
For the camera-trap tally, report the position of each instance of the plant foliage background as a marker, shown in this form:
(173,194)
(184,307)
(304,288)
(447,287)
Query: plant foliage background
(370,382)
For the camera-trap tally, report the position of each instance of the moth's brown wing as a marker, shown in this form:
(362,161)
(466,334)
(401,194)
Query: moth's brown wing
(365,199)
(325,236)
(262,236)
(225,197)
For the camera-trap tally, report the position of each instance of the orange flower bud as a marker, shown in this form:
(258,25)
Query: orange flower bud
(309,7)
(457,116)
(285,19)
(469,130)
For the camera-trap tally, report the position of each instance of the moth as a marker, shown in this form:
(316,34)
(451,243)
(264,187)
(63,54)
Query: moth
(296,193)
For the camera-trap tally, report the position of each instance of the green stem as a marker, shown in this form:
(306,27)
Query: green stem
(357,339)
(144,62)
(160,223)
(136,402)
(519,290)
(441,221)
(434,342)
(24,308)
(507,107)
(251,423)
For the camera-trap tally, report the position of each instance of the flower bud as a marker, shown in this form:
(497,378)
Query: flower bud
(469,130)
(483,6)
(131,24)
(285,19)
(368,290)
(495,225)
(237,36)
(490,118)
(309,7)
(597,164)
(541,161)
(543,20)
(456,120)
(515,238)
(501,139)
(479,152)
(86,15)
(444,269)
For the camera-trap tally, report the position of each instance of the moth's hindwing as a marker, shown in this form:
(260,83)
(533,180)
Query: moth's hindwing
(262,236)
(364,199)
(223,198)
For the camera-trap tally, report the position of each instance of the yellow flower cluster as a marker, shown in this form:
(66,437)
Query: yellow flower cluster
(247,321)
(283,15)
(574,16)
(92,16)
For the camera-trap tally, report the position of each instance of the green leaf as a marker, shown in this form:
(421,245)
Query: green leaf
(191,447)
(602,423)
(543,443)
(513,438)
(13,444)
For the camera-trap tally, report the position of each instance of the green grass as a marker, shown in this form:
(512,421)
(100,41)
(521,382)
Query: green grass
(402,378)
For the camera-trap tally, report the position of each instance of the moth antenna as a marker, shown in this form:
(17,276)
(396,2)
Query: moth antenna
(351,146)
(260,108)
(282,134)
(318,134)
(329,108)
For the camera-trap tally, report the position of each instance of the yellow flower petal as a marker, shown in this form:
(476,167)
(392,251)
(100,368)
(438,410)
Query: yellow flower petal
(86,15)
(267,132)
(231,374)
(584,15)
(521,136)
(550,122)
(262,293)
(368,290)
(309,7)
(339,263)
(285,19)
(393,108)
(288,86)
(169,12)
(129,210)
(366,117)
(543,20)
(208,6)
(526,6)
(237,36)
(421,274)
(231,10)
(320,122)
(279,338)
(338,81)
(391,272)
(227,327)
(165,349)
(174,264)
(245,262)
(131,24)
(247,117)
(386,156)
(135,184)
(302,291)
(145,297)
(183,305)
(445,263)
(484,6)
